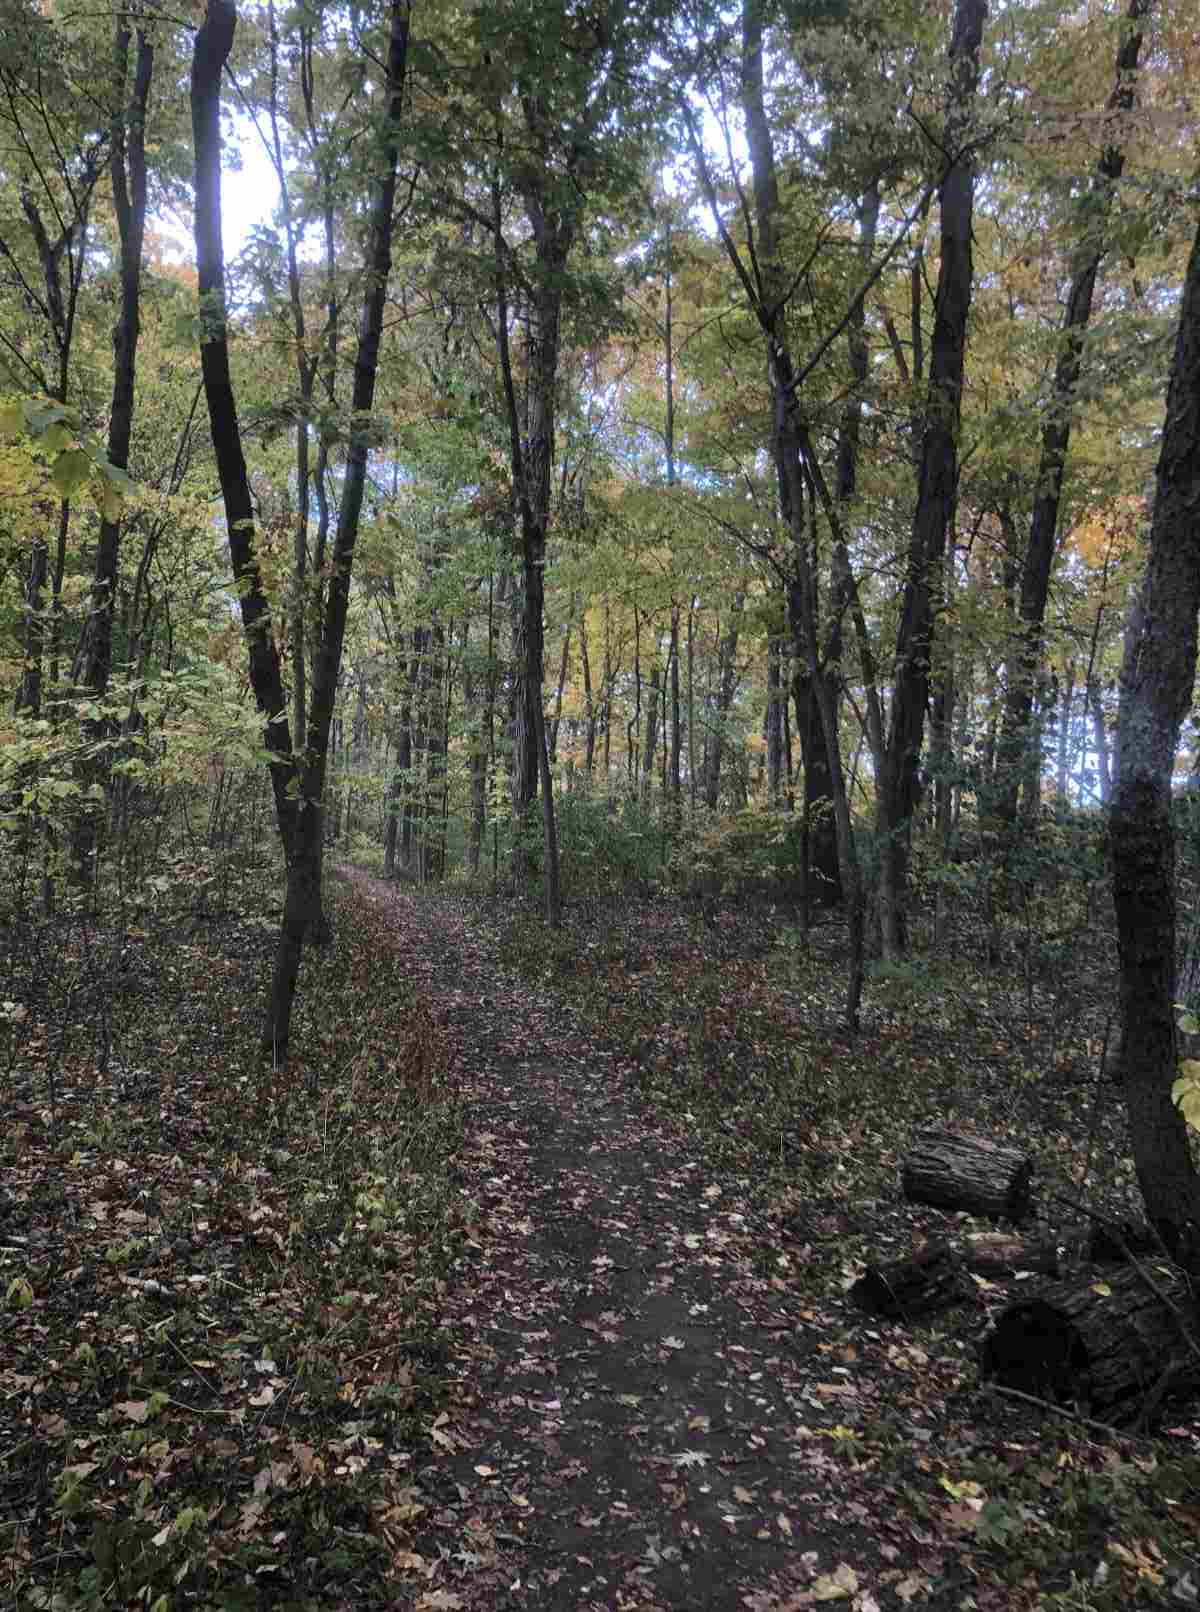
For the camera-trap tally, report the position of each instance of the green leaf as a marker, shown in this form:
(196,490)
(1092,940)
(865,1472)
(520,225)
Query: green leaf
(71,471)
(112,502)
(1185,1094)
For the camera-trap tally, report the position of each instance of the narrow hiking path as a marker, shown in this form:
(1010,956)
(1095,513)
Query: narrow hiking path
(642,1403)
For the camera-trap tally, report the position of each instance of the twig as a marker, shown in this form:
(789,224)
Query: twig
(1106,1428)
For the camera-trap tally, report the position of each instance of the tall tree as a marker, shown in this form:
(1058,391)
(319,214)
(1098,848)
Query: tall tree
(898,788)
(127,169)
(298,780)
(1157,680)
(1094,209)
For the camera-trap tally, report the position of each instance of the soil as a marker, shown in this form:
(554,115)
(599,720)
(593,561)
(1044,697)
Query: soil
(649,1418)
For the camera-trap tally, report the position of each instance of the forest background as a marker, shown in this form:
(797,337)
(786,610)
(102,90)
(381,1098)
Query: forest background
(733,466)
(736,432)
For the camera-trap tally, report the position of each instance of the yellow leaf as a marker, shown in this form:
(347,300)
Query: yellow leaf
(1102,1288)
(835,1586)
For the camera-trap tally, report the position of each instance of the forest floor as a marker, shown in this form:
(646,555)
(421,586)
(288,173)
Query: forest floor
(526,1284)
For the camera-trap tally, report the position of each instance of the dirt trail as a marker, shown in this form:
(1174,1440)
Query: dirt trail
(640,1398)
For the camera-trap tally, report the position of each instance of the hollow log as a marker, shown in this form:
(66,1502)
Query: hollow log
(931,1279)
(1106,1340)
(951,1170)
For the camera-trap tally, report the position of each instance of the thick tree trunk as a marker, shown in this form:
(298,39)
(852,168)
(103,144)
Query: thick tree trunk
(898,785)
(1157,680)
(822,863)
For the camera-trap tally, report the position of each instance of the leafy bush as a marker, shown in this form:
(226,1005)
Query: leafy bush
(751,848)
(599,849)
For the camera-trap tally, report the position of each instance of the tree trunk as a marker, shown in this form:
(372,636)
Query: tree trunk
(127,166)
(1157,679)
(652,706)
(898,785)
(302,898)
(478,726)
(213,43)
(727,680)
(776,701)
(1065,719)
(1095,206)
(676,729)
(299,815)
(589,707)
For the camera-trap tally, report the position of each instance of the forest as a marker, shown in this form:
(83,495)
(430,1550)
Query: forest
(599,804)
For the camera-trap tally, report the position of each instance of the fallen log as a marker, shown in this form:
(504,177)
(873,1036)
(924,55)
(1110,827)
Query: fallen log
(1003,1253)
(930,1279)
(951,1170)
(933,1277)
(1108,1341)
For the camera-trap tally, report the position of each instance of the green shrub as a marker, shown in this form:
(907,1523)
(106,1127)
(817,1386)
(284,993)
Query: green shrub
(600,849)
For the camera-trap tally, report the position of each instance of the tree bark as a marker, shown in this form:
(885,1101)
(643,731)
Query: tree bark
(214,40)
(127,166)
(954,1171)
(298,787)
(1117,1344)
(898,785)
(1157,679)
(727,680)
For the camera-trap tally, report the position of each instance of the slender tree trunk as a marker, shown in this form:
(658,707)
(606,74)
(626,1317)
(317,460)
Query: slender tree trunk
(1104,779)
(727,681)
(564,665)
(652,705)
(299,816)
(212,46)
(776,705)
(127,167)
(1066,718)
(1096,207)
(676,731)
(474,701)
(898,787)
(589,707)
(1157,681)
(691,708)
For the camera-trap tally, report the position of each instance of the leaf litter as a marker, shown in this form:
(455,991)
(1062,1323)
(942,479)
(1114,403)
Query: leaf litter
(516,1330)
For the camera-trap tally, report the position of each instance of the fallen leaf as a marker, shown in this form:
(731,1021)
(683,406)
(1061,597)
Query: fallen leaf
(843,1581)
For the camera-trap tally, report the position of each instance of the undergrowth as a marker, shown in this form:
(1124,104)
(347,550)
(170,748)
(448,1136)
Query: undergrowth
(219,1374)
